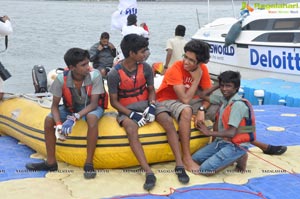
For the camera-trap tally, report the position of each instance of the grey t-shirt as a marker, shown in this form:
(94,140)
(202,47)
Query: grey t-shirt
(93,78)
(239,110)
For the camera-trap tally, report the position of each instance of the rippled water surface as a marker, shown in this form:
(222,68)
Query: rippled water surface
(44,30)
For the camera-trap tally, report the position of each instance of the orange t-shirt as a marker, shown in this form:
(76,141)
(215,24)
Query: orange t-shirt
(177,75)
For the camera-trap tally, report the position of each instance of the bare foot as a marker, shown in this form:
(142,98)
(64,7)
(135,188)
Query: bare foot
(241,163)
(191,166)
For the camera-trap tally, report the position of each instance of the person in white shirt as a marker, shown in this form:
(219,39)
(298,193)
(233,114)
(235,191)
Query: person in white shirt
(5,26)
(5,29)
(132,28)
(175,47)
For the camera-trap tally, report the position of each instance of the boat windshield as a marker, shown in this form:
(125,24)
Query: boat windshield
(273,24)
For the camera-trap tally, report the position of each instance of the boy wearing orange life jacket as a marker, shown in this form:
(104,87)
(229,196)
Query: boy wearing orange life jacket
(235,129)
(80,87)
(131,91)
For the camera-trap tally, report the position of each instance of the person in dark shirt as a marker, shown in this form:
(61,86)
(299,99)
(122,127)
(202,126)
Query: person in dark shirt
(102,54)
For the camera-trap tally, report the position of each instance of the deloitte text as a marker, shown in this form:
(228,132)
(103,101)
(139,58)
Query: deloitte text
(284,61)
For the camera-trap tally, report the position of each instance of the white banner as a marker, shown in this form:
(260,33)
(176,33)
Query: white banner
(119,17)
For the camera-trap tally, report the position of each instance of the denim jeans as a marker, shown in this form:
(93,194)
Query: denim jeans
(64,112)
(217,155)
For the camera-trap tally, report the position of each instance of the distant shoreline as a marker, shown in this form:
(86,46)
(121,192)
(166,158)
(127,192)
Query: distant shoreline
(148,0)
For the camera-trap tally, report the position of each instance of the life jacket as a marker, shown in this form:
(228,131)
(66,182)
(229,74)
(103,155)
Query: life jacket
(67,95)
(246,130)
(132,90)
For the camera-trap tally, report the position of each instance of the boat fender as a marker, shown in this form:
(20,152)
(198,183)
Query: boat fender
(51,76)
(233,33)
(39,78)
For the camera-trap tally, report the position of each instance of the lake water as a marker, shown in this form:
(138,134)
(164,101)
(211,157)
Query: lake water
(45,30)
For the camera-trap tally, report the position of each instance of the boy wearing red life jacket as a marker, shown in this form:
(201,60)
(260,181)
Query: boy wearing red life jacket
(81,88)
(235,129)
(131,91)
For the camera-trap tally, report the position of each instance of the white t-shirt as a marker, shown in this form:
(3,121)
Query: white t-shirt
(176,44)
(133,29)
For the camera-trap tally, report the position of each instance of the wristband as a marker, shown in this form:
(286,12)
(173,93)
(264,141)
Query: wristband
(77,116)
(58,123)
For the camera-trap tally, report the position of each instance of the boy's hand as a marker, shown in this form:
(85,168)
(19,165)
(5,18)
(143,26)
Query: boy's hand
(138,118)
(149,113)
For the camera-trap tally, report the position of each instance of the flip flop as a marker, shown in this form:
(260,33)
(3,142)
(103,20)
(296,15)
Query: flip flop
(89,172)
(181,174)
(275,150)
(150,181)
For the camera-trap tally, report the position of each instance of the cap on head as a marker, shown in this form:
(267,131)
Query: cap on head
(131,19)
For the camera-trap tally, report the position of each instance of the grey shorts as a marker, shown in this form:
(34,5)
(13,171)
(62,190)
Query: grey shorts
(140,107)
(176,107)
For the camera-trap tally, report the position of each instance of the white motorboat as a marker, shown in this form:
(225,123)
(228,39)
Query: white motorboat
(263,42)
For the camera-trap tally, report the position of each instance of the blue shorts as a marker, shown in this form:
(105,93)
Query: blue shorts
(217,155)
(64,112)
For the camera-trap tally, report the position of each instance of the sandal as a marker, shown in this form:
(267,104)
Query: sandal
(181,174)
(41,166)
(275,150)
(150,181)
(89,172)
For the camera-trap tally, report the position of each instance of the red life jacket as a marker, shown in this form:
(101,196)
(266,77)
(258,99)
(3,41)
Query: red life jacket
(67,95)
(246,130)
(132,90)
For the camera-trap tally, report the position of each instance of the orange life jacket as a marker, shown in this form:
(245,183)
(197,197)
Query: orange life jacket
(132,90)
(246,130)
(67,96)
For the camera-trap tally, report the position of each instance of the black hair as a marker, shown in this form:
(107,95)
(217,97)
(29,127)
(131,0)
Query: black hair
(104,35)
(131,19)
(230,77)
(134,43)
(180,30)
(200,48)
(75,55)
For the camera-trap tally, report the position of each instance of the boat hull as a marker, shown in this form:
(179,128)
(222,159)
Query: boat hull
(261,43)
(23,119)
(254,61)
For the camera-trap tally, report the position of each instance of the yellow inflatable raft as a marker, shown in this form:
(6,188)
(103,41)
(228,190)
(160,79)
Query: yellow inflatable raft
(23,119)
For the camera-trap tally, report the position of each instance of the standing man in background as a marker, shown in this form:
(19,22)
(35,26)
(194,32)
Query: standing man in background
(175,47)
(102,54)
(5,29)
(132,28)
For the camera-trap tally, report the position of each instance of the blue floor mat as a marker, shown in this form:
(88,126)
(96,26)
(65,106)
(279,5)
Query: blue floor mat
(13,158)
(272,116)
(277,186)
(269,187)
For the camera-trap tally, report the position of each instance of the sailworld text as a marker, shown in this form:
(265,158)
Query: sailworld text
(221,49)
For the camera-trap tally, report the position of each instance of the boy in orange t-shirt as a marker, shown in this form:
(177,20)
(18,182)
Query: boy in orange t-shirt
(179,90)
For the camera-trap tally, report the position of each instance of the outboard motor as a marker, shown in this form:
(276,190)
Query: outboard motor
(39,78)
